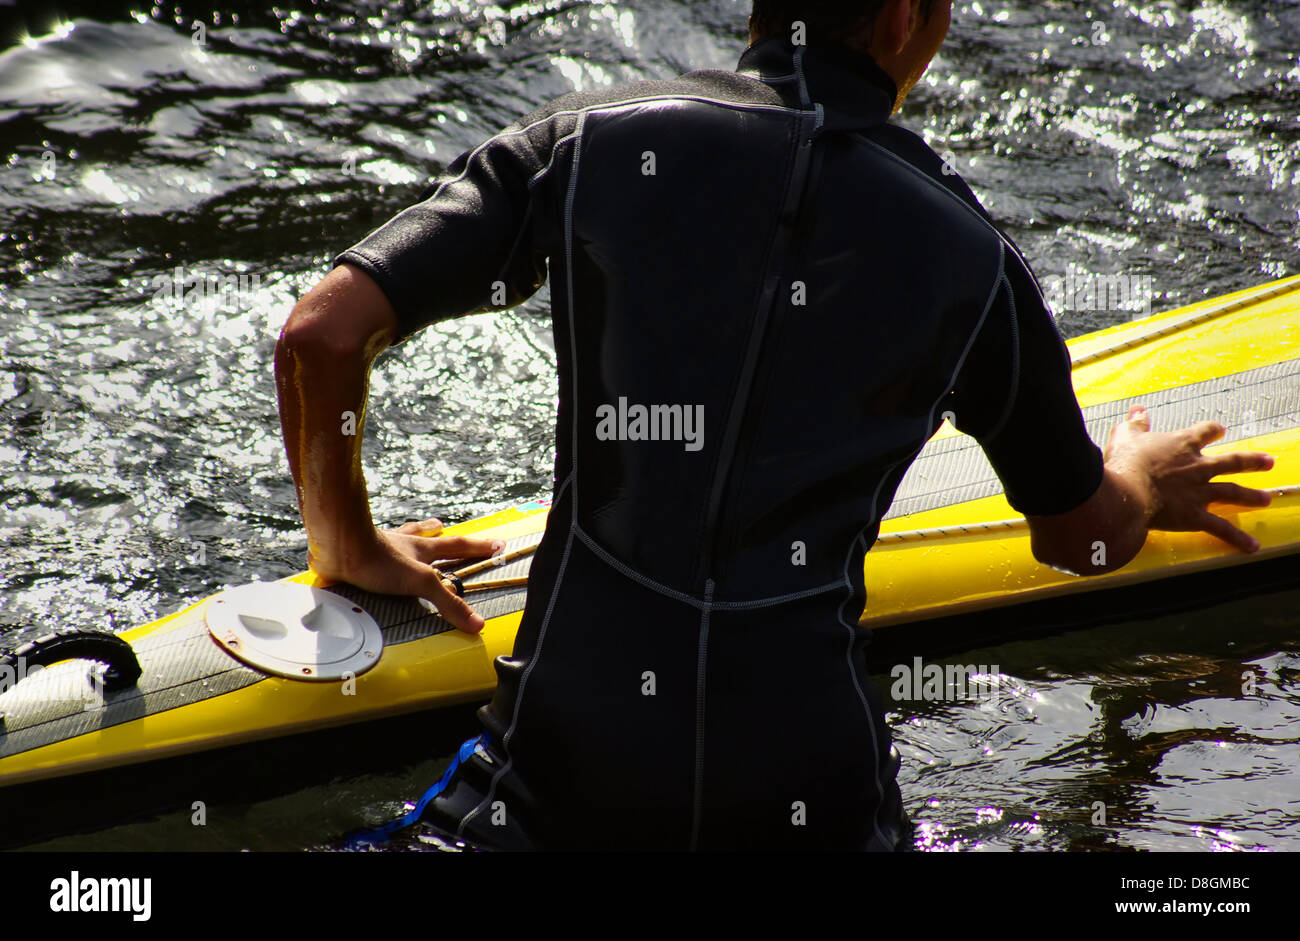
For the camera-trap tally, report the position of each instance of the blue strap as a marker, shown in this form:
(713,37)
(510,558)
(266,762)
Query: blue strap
(382,833)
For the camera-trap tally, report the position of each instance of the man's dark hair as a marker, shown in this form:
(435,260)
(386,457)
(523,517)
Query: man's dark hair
(836,20)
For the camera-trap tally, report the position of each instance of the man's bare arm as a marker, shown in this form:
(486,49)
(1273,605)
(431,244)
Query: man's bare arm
(322,368)
(1152,481)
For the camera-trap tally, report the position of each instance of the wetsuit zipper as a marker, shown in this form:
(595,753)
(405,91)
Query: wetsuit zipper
(701,666)
(809,124)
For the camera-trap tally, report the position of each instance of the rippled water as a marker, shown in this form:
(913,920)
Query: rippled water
(139,442)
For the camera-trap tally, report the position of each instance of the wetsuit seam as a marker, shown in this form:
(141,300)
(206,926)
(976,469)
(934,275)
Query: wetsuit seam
(701,669)
(629,102)
(861,538)
(646,582)
(570,481)
(683,96)
(533,180)
(858,688)
(1003,241)
(523,679)
(570,197)
(961,361)
(623,568)
(1014,387)
(581,113)
(378,263)
(776,599)
(805,99)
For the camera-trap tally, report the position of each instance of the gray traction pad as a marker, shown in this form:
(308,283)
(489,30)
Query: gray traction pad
(955,470)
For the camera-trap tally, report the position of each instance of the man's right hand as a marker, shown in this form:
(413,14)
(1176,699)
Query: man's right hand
(1178,477)
(1153,480)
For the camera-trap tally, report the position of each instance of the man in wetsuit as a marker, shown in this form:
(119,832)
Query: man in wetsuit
(760,252)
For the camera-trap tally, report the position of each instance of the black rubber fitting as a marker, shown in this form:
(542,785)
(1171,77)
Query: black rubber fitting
(70,644)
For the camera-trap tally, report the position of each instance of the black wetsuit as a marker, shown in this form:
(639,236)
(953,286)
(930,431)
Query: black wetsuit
(763,250)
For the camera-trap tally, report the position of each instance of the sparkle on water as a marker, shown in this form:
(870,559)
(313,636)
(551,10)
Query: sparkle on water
(141,459)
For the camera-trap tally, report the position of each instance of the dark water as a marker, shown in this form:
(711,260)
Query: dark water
(140,461)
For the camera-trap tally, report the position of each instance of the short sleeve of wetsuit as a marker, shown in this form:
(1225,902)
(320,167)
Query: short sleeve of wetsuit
(473,242)
(1015,396)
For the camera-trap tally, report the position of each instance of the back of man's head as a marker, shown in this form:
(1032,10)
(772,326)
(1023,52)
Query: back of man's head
(842,21)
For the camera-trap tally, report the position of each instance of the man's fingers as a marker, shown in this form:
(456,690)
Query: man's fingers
(428,528)
(453,608)
(1218,526)
(1236,462)
(1138,420)
(465,547)
(454,547)
(1206,432)
(1237,495)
